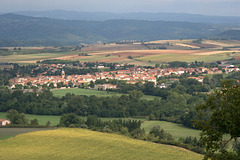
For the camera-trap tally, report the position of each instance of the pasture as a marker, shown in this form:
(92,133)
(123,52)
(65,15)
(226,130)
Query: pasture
(188,56)
(42,119)
(31,58)
(89,92)
(85,144)
(177,130)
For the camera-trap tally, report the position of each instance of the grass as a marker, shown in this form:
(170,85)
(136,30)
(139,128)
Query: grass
(42,119)
(177,130)
(89,92)
(95,58)
(31,58)
(85,144)
(184,57)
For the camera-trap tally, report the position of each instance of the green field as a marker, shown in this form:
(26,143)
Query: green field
(31,58)
(88,92)
(85,144)
(177,130)
(42,119)
(185,57)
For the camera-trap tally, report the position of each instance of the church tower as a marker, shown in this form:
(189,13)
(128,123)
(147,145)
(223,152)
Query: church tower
(63,74)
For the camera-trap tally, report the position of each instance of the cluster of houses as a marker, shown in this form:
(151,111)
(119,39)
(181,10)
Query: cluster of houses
(131,75)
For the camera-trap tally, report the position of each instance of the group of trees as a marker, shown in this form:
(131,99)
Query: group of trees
(220,116)
(131,128)
(17,119)
(126,127)
(171,108)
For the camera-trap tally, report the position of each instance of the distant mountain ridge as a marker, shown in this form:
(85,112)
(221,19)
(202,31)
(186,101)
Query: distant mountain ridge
(103,16)
(15,27)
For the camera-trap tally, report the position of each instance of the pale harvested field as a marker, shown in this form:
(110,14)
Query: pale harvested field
(204,45)
(170,41)
(113,47)
(149,57)
(212,53)
(187,45)
(222,44)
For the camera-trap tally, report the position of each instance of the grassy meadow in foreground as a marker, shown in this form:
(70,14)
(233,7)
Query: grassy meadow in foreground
(85,144)
(88,92)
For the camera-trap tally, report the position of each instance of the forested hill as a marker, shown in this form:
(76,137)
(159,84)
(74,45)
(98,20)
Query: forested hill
(24,28)
(230,34)
(103,16)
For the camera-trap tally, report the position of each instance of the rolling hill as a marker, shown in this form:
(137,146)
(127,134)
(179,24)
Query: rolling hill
(15,27)
(103,16)
(85,144)
(230,34)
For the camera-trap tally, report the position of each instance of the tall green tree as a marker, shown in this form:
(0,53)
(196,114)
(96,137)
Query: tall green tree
(70,119)
(219,116)
(16,118)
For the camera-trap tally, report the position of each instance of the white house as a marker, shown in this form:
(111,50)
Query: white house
(4,122)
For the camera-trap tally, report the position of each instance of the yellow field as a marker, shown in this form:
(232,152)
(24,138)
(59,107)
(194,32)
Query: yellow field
(186,45)
(171,41)
(85,144)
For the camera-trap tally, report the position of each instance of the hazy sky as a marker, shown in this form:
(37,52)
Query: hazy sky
(207,7)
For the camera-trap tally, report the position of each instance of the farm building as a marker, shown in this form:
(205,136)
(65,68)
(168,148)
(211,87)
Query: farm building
(4,122)
(105,87)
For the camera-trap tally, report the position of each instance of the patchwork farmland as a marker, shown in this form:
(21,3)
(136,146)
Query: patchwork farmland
(145,54)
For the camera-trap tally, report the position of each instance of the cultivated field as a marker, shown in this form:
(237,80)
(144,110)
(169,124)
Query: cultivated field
(189,56)
(85,144)
(31,58)
(176,50)
(88,92)
(113,47)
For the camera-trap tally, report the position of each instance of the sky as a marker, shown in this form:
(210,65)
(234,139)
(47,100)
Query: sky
(206,7)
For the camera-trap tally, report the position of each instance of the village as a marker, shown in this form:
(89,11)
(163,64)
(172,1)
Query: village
(131,75)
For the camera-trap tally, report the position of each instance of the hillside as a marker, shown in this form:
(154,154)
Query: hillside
(15,27)
(231,34)
(103,16)
(85,144)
